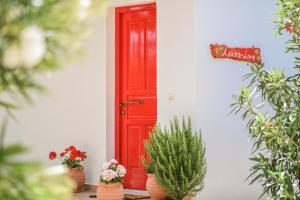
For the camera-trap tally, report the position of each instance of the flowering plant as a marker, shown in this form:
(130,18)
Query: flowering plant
(71,157)
(270,103)
(112,172)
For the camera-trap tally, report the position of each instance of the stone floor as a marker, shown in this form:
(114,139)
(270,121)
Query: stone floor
(84,196)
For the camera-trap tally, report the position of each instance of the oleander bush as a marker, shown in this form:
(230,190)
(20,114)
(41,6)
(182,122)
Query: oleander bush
(275,130)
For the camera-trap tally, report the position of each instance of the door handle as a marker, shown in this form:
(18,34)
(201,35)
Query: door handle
(131,102)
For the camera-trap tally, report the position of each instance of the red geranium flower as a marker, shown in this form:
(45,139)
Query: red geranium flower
(83,156)
(70,157)
(73,157)
(52,155)
(77,153)
(72,148)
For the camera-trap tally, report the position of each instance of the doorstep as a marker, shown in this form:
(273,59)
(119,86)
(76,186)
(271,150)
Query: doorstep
(89,193)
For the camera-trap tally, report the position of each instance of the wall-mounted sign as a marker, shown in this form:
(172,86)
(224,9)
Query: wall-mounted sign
(243,54)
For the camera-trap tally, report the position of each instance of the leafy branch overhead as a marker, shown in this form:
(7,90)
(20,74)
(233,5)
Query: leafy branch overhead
(271,104)
(36,37)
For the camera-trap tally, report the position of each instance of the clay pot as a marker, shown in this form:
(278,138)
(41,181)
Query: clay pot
(112,191)
(155,191)
(187,198)
(78,176)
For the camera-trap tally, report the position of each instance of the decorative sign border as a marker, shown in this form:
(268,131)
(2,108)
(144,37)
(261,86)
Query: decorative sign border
(251,55)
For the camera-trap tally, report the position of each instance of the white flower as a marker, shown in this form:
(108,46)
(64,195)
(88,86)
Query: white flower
(106,165)
(85,3)
(113,161)
(37,3)
(67,156)
(32,45)
(83,9)
(121,170)
(12,57)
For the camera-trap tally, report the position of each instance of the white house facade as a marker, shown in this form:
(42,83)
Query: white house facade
(80,107)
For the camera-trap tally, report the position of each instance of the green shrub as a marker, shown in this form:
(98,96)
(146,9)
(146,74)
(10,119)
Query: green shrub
(179,157)
(149,165)
(275,129)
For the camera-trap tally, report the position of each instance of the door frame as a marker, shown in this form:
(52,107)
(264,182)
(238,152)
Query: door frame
(119,11)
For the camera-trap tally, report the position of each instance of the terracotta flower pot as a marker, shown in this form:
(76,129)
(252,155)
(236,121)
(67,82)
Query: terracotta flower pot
(187,198)
(78,176)
(112,191)
(155,191)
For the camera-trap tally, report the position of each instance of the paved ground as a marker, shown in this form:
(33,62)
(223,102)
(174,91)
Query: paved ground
(84,196)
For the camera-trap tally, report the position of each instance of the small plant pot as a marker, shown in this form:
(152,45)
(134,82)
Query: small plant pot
(78,176)
(114,191)
(155,191)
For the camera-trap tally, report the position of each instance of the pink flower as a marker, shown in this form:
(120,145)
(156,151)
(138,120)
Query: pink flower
(121,170)
(109,174)
(113,161)
(112,172)
(106,165)
(266,125)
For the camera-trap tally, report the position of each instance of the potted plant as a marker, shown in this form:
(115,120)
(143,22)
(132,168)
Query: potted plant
(179,157)
(153,188)
(111,179)
(72,159)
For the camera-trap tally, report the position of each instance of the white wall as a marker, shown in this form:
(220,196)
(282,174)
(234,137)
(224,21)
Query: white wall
(80,108)
(176,59)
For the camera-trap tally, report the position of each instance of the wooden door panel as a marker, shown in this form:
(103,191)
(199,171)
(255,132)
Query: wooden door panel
(137,90)
(135,135)
(151,55)
(144,110)
(135,62)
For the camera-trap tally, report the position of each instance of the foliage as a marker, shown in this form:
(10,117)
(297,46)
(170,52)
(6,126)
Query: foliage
(149,165)
(112,172)
(289,21)
(179,157)
(36,37)
(25,180)
(71,157)
(274,123)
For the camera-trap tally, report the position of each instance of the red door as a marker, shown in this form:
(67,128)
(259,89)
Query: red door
(136,102)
